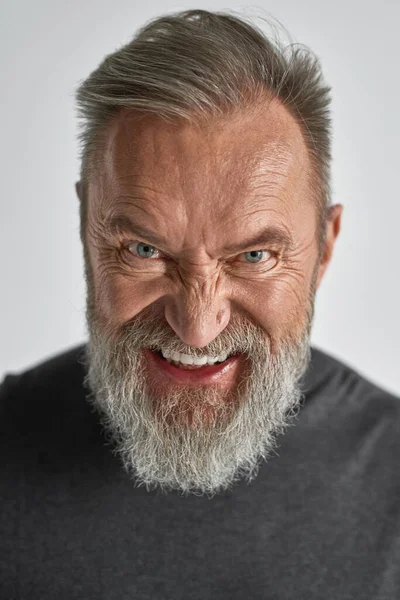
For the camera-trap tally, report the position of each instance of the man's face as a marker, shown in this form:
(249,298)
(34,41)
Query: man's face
(169,234)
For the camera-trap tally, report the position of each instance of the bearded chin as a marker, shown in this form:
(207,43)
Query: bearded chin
(193,439)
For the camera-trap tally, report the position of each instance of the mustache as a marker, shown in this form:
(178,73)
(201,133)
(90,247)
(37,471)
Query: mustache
(149,331)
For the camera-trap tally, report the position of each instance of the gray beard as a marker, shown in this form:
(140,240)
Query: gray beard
(197,439)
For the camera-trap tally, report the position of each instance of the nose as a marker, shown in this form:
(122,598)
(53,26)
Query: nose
(198,313)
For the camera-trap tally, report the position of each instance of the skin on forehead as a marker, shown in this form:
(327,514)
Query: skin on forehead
(202,189)
(219,179)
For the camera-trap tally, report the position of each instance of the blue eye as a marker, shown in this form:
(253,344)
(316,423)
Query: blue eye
(143,250)
(256,255)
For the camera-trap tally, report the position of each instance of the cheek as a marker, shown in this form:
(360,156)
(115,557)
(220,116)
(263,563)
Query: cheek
(279,305)
(287,306)
(119,298)
(118,295)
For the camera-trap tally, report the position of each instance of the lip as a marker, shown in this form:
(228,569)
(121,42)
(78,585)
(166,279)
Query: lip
(223,374)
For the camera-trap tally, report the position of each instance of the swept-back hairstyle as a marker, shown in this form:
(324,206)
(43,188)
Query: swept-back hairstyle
(197,65)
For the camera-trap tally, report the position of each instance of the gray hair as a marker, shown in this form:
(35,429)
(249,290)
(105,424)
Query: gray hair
(199,64)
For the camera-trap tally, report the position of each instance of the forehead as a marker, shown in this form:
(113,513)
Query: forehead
(220,164)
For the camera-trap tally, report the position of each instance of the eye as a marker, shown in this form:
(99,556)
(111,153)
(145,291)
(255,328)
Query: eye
(257,256)
(142,250)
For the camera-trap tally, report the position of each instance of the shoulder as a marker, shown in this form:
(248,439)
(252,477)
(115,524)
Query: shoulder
(344,399)
(65,368)
(44,390)
(61,363)
(329,374)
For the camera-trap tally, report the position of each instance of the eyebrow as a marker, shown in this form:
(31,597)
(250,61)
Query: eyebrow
(271,235)
(122,224)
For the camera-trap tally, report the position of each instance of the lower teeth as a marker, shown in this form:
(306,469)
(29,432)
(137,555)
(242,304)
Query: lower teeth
(179,364)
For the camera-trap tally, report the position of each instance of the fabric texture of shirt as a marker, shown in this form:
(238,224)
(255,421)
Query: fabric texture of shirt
(321,521)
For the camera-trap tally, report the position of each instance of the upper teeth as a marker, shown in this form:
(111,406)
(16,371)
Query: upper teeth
(185,359)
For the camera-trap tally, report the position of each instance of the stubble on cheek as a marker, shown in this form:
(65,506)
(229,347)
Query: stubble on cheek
(285,313)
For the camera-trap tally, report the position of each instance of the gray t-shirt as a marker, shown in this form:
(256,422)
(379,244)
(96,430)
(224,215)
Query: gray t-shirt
(320,521)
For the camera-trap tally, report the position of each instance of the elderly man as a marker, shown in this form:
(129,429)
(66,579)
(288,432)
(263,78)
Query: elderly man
(197,447)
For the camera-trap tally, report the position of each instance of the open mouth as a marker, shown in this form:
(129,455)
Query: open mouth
(165,371)
(159,353)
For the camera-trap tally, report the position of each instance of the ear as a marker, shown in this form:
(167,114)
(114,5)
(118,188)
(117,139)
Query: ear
(332,231)
(78,189)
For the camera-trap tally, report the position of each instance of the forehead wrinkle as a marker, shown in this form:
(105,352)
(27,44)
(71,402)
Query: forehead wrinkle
(279,178)
(273,163)
(129,205)
(148,188)
(130,146)
(226,177)
(260,174)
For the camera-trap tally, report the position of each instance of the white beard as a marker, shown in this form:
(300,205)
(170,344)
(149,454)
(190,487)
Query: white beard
(197,439)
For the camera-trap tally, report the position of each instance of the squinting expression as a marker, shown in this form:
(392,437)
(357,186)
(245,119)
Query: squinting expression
(204,222)
(201,240)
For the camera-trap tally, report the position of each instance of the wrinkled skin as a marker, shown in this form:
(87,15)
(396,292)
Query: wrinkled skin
(200,193)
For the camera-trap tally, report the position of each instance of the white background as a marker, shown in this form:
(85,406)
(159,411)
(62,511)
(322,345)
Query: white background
(47,47)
